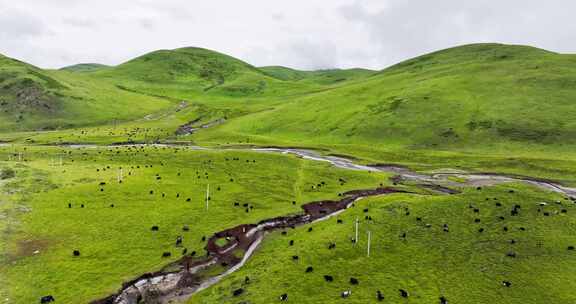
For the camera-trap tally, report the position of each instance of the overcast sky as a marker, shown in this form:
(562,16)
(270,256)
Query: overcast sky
(305,34)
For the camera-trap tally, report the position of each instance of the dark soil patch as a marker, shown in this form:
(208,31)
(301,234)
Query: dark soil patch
(26,248)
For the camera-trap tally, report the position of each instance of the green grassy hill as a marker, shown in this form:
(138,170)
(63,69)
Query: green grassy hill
(476,96)
(331,76)
(32,99)
(467,96)
(26,89)
(85,67)
(183,65)
(196,73)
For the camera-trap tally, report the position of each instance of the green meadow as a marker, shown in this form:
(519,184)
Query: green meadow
(164,187)
(93,156)
(463,265)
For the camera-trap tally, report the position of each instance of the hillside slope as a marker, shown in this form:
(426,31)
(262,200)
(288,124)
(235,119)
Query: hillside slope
(196,73)
(331,76)
(85,67)
(32,99)
(25,88)
(466,96)
(184,64)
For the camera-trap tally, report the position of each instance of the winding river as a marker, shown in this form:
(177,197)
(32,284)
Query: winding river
(181,279)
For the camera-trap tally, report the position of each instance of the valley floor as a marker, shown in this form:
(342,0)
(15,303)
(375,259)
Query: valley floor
(165,186)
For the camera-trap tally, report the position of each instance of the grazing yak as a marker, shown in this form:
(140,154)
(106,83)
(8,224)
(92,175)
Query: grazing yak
(403,293)
(238,292)
(379,296)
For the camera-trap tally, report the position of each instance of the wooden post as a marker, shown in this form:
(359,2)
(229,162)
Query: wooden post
(207,195)
(369,239)
(356,235)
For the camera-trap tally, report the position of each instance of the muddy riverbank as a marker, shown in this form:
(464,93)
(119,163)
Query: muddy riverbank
(181,279)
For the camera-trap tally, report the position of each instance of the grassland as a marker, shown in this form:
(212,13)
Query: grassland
(325,77)
(116,243)
(85,67)
(479,98)
(462,265)
(483,108)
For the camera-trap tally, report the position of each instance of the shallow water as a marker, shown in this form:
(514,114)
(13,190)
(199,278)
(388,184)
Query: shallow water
(442,178)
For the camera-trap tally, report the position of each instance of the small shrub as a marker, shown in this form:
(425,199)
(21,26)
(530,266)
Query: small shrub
(7,173)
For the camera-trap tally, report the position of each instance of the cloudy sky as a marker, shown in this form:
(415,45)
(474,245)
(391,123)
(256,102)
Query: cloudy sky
(305,34)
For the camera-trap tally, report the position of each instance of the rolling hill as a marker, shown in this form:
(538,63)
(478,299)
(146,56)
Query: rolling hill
(183,65)
(85,67)
(36,99)
(468,96)
(330,76)
(25,88)
(476,96)
(197,73)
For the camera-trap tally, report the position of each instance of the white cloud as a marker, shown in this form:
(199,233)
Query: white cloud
(304,34)
(19,25)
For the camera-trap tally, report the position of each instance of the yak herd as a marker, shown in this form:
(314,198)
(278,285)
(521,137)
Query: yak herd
(514,211)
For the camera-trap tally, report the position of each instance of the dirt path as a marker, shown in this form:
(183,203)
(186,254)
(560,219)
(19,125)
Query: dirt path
(190,128)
